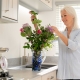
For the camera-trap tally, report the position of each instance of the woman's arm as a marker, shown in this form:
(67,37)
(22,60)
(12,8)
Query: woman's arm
(75,43)
(58,33)
(32,19)
(71,44)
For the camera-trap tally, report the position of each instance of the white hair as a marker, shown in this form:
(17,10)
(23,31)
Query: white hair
(72,12)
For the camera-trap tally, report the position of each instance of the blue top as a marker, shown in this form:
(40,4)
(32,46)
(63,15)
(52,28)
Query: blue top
(69,56)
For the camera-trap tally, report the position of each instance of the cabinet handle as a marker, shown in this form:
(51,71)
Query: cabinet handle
(51,77)
(48,79)
(12,3)
(48,1)
(7,5)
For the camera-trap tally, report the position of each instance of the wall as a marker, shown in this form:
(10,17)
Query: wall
(49,17)
(10,33)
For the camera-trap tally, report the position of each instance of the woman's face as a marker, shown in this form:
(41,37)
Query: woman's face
(66,18)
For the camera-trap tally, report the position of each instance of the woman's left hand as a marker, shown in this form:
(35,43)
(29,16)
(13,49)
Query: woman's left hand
(58,33)
(55,30)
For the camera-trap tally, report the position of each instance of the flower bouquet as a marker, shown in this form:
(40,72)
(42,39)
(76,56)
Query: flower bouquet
(38,39)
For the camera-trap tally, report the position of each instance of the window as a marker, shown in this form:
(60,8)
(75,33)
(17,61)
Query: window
(59,23)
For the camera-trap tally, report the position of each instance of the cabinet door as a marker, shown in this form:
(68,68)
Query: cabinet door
(37,78)
(10,9)
(5,9)
(48,2)
(49,76)
(15,9)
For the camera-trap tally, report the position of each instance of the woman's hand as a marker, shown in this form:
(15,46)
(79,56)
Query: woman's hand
(58,33)
(55,30)
(33,17)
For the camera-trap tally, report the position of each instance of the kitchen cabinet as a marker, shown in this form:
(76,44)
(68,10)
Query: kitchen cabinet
(38,5)
(50,76)
(28,74)
(37,78)
(47,2)
(8,11)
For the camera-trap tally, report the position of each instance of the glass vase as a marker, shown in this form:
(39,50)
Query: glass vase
(36,61)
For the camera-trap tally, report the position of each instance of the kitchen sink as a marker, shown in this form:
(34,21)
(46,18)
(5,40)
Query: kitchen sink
(43,66)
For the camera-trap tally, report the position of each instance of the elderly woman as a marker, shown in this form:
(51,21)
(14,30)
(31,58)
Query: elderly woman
(69,46)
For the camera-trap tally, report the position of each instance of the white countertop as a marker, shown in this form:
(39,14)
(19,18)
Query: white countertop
(28,74)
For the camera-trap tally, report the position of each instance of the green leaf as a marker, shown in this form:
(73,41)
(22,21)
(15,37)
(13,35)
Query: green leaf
(38,41)
(26,46)
(23,34)
(34,13)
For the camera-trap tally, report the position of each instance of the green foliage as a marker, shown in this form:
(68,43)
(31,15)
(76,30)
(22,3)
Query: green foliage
(39,38)
(34,13)
(37,21)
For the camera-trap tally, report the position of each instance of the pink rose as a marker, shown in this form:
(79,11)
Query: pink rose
(50,29)
(22,30)
(39,31)
(25,25)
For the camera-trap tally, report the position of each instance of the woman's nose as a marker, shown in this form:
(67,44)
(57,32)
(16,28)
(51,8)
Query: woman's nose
(63,18)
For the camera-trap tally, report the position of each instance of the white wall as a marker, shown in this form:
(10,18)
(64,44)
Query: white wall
(10,32)
(49,17)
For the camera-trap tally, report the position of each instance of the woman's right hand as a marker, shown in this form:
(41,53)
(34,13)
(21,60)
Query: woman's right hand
(55,30)
(33,17)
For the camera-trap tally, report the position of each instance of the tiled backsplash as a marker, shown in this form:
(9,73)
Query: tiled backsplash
(19,61)
(14,62)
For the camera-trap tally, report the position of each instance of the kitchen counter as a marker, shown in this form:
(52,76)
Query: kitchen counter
(23,74)
(28,74)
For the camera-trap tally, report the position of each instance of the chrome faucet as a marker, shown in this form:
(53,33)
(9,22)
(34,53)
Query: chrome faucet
(25,49)
(25,58)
